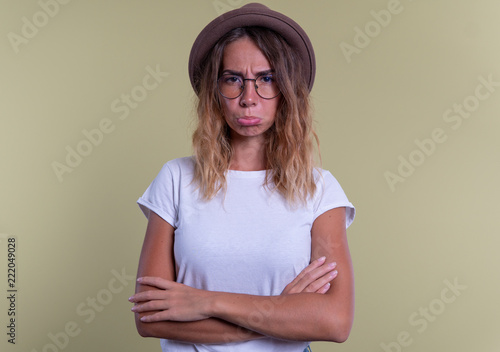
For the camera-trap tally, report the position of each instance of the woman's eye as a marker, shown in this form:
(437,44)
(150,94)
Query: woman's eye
(266,79)
(232,80)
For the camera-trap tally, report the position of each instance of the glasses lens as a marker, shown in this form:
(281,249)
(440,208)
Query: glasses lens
(231,86)
(267,87)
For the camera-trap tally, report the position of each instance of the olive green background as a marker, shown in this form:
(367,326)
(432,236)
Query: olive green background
(434,226)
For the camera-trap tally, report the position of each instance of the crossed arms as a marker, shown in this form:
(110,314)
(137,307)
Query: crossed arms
(317,305)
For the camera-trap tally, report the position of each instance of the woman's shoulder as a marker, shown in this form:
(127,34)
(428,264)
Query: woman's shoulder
(179,167)
(322,175)
(186,162)
(327,184)
(330,194)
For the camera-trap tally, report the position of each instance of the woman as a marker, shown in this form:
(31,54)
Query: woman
(246,247)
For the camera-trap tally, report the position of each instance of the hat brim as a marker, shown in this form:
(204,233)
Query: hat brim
(254,14)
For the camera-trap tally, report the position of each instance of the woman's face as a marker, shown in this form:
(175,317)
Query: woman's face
(249,115)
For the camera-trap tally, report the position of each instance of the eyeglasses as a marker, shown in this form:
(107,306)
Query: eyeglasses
(232,86)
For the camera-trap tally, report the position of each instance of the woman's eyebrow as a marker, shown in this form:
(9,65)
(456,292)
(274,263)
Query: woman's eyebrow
(238,73)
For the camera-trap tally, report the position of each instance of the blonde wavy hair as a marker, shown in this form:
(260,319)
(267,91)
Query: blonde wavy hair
(290,151)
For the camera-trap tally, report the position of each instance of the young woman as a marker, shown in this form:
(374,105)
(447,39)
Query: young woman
(246,247)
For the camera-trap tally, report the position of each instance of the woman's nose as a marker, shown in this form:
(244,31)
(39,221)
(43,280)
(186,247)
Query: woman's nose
(249,95)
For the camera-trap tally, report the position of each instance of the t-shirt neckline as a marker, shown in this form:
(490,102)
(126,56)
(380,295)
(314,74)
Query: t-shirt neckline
(246,174)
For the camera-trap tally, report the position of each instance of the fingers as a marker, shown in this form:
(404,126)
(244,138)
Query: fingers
(150,301)
(315,264)
(147,296)
(324,289)
(322,285)
(155,282)
(301,281)
(151,306)
(318,277)
(152,295)
(168,300)
(154,317)
(313,278)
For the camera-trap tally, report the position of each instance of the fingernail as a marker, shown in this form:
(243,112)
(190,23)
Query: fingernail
(332,265)
(139,279)
(333,274)
(322,259)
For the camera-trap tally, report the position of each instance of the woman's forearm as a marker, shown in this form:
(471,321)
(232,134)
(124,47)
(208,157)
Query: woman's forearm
(303,316)
(219,317)
(210,330)
(308,309)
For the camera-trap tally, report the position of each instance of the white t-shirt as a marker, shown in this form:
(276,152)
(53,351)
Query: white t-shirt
(246,241)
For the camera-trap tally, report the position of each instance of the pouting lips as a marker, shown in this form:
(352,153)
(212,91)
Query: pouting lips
(248,121)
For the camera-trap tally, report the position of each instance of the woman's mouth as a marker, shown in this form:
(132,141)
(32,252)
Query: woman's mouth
(248,121)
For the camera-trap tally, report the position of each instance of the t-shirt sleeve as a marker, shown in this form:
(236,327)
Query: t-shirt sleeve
(330,195)
(160,197)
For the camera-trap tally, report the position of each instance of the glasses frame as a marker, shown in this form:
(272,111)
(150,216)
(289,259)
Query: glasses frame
(243,86)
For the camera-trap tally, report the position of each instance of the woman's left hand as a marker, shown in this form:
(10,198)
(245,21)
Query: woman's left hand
(173,301)
(316,277)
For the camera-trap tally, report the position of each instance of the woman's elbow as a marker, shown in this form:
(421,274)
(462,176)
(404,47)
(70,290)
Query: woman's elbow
(340,329)
(341,335)
(144,329)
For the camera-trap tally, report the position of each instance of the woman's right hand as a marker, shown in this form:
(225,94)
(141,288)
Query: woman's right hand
(316,277)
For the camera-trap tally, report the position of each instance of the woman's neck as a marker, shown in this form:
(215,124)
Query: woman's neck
(248,155)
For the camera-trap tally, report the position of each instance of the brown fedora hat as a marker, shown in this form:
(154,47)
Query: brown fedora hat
(254,14)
